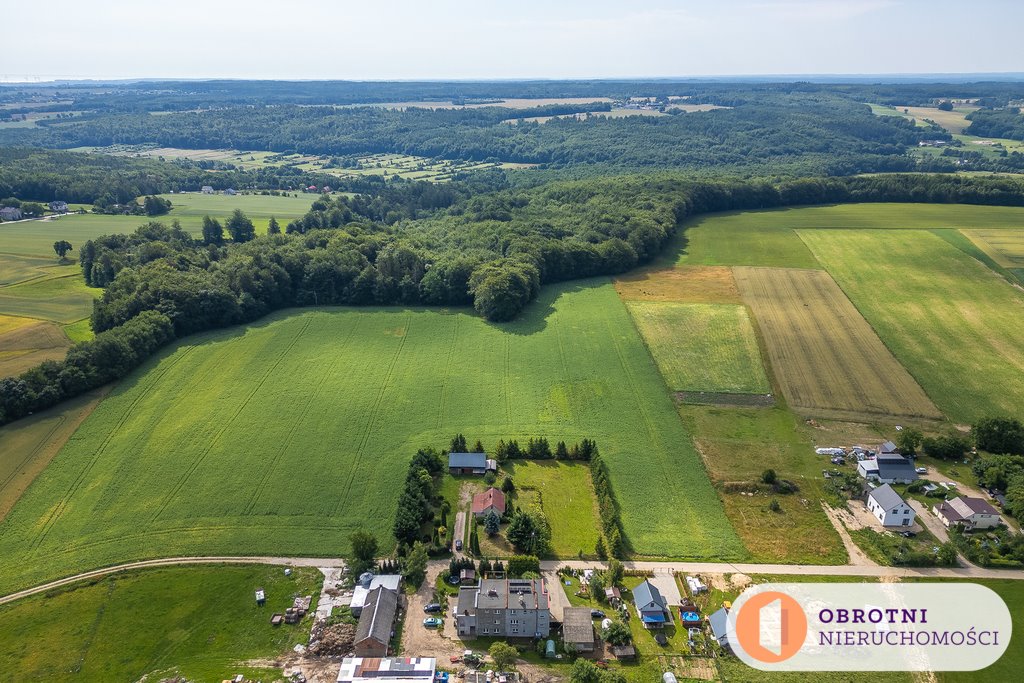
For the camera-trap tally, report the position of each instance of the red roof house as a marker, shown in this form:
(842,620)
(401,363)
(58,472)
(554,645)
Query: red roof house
(491,499)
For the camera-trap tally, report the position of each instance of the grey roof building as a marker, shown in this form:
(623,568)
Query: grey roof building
(470,463)
(651,605)
(511,608)
(376,623)
(719,622)
(578,628)
(9,213)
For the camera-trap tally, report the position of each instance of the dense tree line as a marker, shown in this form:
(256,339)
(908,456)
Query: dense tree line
(494,251)
(997,123)
(47,175)
(813,133)
(416,502)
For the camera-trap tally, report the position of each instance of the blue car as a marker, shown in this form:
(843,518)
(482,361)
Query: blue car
(431,622)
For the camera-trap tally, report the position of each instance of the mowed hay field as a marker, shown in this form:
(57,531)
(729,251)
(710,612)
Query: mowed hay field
(199,622)
(827,359)
(285,436)
(702,347)
(1005,247)
(28,343)
(955,324)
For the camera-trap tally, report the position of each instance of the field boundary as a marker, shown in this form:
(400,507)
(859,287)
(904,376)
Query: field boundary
(724,398)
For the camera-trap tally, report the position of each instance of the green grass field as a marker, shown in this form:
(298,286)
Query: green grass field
(738,445)
(199,622)
(702,347)
(953,323)
(183,458)
(567,499)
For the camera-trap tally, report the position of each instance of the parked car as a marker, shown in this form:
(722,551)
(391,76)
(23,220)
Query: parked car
(596,614)
(432,607)
(908,534)
(431,622)
(458,544)
(922,470)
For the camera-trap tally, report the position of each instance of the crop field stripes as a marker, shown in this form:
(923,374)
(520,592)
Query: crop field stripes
(828,360)
(286,443)
(58,510)
(445,383)
(198,460)
(385,384)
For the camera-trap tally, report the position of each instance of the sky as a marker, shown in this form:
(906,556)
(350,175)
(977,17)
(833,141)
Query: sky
(482,39)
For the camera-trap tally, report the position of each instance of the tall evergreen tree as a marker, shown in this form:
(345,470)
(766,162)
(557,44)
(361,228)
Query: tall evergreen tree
(213,231)
(273,227)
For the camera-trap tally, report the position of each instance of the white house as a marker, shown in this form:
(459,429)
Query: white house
(207,189)
(887,506)
(971,513)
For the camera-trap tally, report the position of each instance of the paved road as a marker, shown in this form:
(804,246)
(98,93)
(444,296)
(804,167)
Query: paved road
(550,566)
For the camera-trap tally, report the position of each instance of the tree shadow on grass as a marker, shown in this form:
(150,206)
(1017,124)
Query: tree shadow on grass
(534,317)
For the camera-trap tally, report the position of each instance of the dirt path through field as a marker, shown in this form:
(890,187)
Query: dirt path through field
(839,519)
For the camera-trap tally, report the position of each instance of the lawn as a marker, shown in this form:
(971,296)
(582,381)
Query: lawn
(738,445)
(702,347)
(199,622)
(955,324)
(182,457)
(566,496)
(827,359)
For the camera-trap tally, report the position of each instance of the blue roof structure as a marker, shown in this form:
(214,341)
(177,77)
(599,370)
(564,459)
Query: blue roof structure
(473,460)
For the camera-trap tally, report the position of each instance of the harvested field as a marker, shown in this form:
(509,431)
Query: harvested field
(682,284)
(953,322)
(27,345)
(702,347)
(1005,247)
(828,360)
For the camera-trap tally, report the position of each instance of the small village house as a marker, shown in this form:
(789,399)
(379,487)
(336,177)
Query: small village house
(490,500)
(889,508)
(376,623)
(10,213)
(967,512)
(651,605)
(719,623)
(207,189)
(578,629)
(59,206)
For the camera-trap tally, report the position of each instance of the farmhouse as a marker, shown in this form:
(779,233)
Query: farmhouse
(207,189)
(376,623)
(887,506)
(578,628)
(367,583)
(230,191)
(387,669)
(970,513)
(59,206)
(9,213)
(719,623)
(470,463)
(887,469)
(651,605)
(491,499)
(510,608)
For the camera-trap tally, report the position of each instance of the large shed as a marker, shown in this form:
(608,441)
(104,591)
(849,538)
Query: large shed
(578,628)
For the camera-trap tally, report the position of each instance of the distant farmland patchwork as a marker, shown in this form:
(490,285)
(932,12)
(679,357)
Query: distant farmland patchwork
(828,360)
(182,457)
